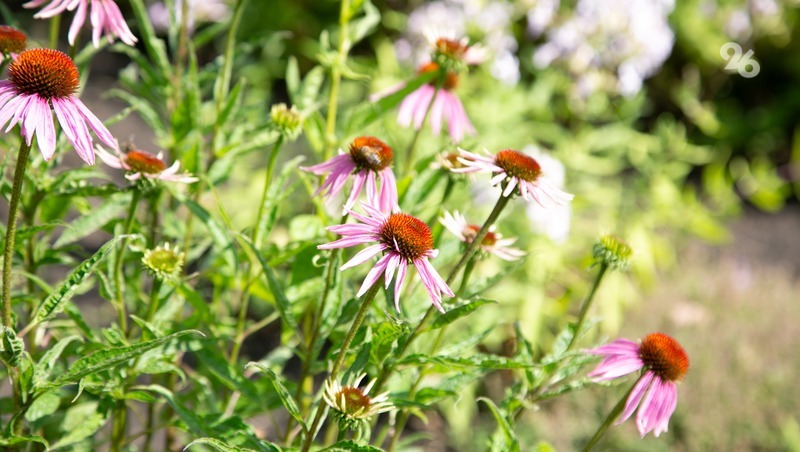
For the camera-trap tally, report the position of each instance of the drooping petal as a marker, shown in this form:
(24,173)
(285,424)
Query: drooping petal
(363,256)
(635,396)
(374,274)
(402,269)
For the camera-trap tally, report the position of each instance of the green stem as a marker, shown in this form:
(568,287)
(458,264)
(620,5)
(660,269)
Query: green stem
(366,302)
(468,254)
(336,77)
(465,279)
(273,157)
(155,299)
(11,228)
(587,303)
(615,412)
(118,279)
(413,145)
(55,27)
(119,426)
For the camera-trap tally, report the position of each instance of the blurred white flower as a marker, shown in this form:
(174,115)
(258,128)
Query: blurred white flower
(540,15)
(627,41)
(200,11)
(554,221)
(490,19)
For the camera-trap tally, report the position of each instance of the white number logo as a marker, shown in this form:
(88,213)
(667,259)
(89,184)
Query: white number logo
(745,65)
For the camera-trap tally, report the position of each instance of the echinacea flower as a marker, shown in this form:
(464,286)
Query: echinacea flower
(452,53)
(403,240)
(12,42)
(368,159)
(352,405)
(39,79)
(142,164)
(515,170)
(446,106)
(164,261)
(105,16)
(492,243)
(664,362)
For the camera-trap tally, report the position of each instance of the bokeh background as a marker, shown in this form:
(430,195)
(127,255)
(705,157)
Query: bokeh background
(696,166)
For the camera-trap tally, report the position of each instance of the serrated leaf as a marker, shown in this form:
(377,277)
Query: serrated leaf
(286,398)
(216,445)
(109,358)
(351,446)
(54,303)
(456,313)
(512,443)
(95,219)
(480,361)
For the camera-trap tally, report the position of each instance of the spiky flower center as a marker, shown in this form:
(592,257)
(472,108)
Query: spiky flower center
(519,165)
(471,231)
(371,153)
(11,40)
(664,356)
(410,237)
(144,162)
(355,401)
(612,251)
(165,261)
(46,72)
(450,47)
(450,78)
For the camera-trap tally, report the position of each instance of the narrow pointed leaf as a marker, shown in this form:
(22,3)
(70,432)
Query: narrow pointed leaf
(286,398)
(95,219)
(456,313)
(216,445)
(512,444)
(54,303)
(110,358)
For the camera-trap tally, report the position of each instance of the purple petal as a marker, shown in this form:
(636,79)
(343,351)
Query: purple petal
(363,256)
(636,396)
(402,269)
(374,274)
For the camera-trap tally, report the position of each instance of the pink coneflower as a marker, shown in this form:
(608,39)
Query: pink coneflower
(515,170)
(446,106)
(493,243)
(105,16)
(142,164)
(403,239)
(368,158)
(39,79)
(12,42)
(448,48)
(352,405)
(655,393)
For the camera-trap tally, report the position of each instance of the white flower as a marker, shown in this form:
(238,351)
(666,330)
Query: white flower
(626,40)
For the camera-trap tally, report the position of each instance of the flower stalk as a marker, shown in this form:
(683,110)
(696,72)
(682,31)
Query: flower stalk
(366,302)
(336,78)
(587,303)
(615,412)
(11,228)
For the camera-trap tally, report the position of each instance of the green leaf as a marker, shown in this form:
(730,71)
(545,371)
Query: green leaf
(86,428)
(277,194)
(360,28)
(17,440)
(212,359)
(110,358)
(512,444)
(43,406)
(11,347)
(452,314)
(95,219)
(218,233)
(54,303)
(216,445)
(351,446)
(369,112)
(48,361)
(192,420)
(480,361)
(286,398)
(281,302)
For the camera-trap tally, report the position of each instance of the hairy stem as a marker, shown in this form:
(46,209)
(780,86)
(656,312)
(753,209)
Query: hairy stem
(366,302)
(615,412)
(587,303)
